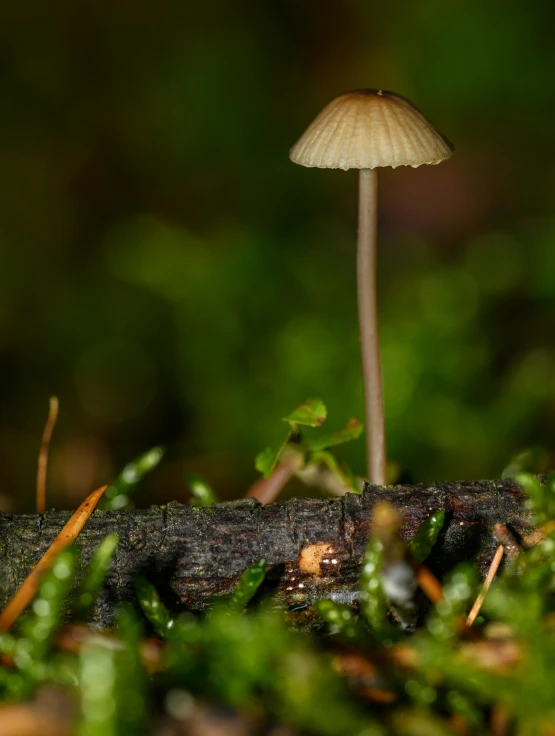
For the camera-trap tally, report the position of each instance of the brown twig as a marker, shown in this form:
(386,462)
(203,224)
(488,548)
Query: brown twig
(475,610)
(266,490)
(65,538)
(199,553)
(43,454)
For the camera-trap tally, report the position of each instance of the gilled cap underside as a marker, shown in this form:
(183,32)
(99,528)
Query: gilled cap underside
(366,130)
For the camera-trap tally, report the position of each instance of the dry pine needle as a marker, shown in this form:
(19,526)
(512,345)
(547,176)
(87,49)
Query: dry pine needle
(65,538)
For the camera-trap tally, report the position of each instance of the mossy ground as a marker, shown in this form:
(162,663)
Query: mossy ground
(395,664)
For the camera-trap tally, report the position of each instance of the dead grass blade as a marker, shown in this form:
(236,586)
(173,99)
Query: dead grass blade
(43,454)
(475,610)
(65,538)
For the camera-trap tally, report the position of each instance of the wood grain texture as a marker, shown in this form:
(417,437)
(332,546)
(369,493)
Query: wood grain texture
(194,554)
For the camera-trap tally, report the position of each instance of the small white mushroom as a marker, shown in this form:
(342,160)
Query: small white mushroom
(367,129)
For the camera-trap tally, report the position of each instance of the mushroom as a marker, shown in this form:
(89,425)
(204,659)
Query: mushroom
(366,129)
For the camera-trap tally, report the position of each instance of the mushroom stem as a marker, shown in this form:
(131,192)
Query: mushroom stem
(368,319)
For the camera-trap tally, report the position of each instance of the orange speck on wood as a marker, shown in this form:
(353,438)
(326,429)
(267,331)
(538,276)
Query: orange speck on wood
(311,556)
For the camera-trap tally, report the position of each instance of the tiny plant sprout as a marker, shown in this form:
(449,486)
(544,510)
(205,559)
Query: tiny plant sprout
(364,130)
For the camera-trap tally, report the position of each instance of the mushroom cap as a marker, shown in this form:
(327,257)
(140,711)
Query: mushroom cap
(368,128)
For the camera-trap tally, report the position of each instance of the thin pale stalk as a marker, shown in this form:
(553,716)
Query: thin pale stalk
(368,319)
(475,610)
(43,455)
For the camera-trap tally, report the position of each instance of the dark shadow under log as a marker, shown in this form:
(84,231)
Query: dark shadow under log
(312,547)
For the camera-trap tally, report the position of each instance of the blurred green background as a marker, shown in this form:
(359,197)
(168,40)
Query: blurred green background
(174,279)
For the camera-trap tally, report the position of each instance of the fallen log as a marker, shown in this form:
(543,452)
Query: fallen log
(312,546)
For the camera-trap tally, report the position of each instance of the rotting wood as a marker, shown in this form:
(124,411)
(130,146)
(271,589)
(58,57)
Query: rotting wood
(193,554)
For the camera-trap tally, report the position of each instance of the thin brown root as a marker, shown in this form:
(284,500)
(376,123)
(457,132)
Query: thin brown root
(43,454)
(475,610)
(65,538)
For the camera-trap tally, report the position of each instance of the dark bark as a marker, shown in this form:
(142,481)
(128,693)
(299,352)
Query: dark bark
(194,554)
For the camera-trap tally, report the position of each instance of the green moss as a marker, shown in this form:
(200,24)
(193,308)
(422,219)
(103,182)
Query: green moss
(95,575)
(119,493)
(426,536)
(355,672)
(247,586)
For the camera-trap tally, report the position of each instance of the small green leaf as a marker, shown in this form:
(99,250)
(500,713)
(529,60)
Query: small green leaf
(39,626)
(266,461)
(119,493)
(541,495)
(373,603)
(426,536)
(531,460)
(153,608)
(340,619)
(459,589)
(462,704)
(352,431)
(248,584)
(131,680)
(95,575)
(202,493)
(344,474)
(97,679)
(311,413)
